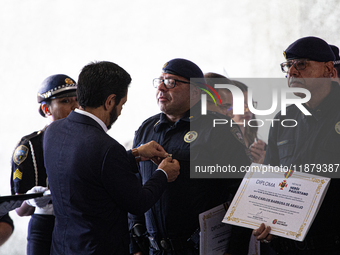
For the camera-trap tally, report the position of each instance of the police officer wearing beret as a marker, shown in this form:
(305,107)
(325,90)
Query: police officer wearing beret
(335,50)
(314,140)
(172,223)
(57,98)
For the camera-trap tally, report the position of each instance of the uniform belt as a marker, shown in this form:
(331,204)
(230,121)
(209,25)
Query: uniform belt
(174,244)
(168,244)
(328,242)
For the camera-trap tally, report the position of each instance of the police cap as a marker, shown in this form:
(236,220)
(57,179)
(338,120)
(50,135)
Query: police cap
(58,85)
(310,47)
(183,67)
(336,53)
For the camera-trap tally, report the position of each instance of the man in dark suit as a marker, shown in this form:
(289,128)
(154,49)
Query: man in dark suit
(91,176)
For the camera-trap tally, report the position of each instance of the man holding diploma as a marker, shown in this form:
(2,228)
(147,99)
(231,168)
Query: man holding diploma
(314,141)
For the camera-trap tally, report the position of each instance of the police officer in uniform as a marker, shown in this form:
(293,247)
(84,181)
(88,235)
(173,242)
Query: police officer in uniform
(57,98)
(335,50)
(314,140)
(172,223)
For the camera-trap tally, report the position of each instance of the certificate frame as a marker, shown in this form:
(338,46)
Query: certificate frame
(291,220)
(215,235)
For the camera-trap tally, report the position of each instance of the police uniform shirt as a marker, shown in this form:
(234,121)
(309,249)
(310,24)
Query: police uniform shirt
(175,215)
(314,140)
(28,168)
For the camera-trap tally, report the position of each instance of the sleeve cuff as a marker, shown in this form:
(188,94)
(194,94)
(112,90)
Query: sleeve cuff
(163,172)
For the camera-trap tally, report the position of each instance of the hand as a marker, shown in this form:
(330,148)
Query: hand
(152,151)
(257,151)
(7,206)
(38,201)
(262,234)
(171,167)
(138,253)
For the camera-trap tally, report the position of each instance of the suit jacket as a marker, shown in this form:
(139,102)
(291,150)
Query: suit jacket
(93,187)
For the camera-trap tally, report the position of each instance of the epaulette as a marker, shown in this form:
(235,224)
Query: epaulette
(156,123)
(32,135)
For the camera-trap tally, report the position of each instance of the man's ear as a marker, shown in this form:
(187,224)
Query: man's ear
(110,102)
(330,71)
(46,110)
(195,92)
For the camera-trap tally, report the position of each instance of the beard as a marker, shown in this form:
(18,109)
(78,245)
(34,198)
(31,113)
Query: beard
(113,117)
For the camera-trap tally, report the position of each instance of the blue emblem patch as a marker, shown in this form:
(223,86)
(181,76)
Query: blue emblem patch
(20,154)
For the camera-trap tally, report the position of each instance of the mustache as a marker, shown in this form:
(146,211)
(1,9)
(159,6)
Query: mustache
(295,80)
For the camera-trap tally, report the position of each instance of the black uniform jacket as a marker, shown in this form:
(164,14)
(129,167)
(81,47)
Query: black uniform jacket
(193,141)
(28,168)
(313,143)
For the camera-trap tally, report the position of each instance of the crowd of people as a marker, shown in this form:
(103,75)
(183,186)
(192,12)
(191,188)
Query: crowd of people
(106,200)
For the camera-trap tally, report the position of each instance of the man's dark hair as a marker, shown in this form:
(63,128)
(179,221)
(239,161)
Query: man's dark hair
(215,78)
(98,80)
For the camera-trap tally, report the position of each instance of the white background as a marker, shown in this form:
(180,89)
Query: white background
(241,39)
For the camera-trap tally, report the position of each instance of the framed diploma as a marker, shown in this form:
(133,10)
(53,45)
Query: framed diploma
(286,201)
(214,234)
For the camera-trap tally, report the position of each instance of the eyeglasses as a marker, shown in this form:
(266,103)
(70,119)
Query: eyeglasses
(227,107)
(168,83)
(299,64)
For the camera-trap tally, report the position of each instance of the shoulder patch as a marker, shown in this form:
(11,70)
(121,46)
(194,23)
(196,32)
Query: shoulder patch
(337,127)
(237,133)
(190,136)
(20,154)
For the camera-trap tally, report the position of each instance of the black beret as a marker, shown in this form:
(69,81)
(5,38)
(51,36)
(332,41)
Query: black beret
(336,53)
(183,67)
(310,47)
